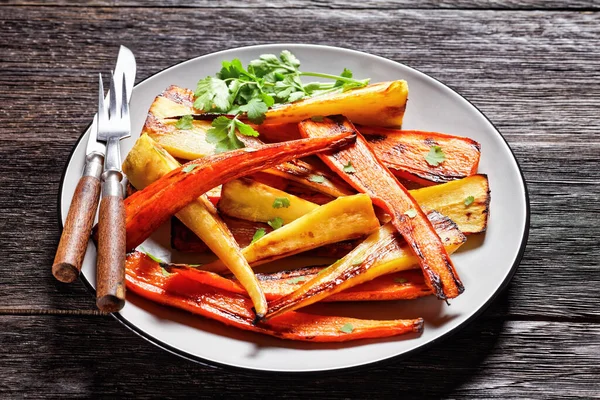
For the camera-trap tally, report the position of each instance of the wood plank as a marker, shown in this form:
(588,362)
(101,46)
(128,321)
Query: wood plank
(77,356)
(334,4)
(534,74)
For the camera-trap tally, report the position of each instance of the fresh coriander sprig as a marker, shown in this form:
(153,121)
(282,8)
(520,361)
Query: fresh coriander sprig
(267,81)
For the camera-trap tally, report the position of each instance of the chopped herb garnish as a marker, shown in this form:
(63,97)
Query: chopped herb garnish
(223,134)
(160,151)
(281,202)
(349,168)
(260,232)
(400,280)
(275,223)
(266,81)
(297,279)
(469,200)
(185,122)
(411,213)
(164,271)
(152,257)
(189,168)
(316,178)
(435,156)
(317,118)
(347,328)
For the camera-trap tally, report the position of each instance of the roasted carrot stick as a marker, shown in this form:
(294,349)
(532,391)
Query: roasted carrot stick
(316,177)
(147,279)
(370,176)
(403,285)
(404,152)
(149,208)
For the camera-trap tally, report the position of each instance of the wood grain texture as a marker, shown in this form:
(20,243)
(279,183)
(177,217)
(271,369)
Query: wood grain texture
(533,73)
(326,4)
(551,360)
(77,229)
(110,270)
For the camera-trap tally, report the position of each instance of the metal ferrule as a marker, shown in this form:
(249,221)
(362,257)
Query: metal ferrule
(94,163)
(111,185)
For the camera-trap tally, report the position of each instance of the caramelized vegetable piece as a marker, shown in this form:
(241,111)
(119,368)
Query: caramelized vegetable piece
(184,240)
(383,252)
(147,279)
(447,198)
(345,218)
(370,176)
(404,152)
(148,162)
(149,208)
(453,199)
(253,201)
(190,144)
(403,285)
(378,104)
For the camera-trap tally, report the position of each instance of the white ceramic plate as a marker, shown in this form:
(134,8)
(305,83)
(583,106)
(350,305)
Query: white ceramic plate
(485,263)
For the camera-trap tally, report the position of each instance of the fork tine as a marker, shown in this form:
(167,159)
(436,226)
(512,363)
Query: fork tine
(124,102)
(113,106)
(101,107)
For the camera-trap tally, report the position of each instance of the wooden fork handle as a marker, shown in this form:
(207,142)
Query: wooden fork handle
(110,272)
(78,226)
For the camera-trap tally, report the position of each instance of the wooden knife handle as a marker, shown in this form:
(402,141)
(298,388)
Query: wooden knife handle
(78,226)
(110,272)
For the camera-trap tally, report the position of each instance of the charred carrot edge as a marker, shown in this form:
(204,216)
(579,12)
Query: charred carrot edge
(403,152)
(370,176)
(145,277)
(381,253)
(149,208)
(303,173)
(403,285)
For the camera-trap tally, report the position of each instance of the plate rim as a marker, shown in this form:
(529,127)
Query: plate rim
(328,371)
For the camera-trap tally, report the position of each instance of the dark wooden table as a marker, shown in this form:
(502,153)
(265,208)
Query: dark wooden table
(533,67)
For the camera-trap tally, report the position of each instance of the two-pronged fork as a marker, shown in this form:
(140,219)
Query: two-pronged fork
(113,125)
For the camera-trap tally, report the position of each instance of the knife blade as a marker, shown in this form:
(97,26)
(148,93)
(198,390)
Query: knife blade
(78,225)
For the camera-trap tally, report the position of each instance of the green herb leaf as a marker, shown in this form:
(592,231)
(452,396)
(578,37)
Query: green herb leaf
(411,213)
(189,168)
(185,122)
(152,257)
(316,178)
(267,81)
(349,168)
(281,202)
(260,232)
(245,129)
(347,328)
(164,271)
(256,109)
(435,156)
(346,73)
(276,223)
(297,279)
(223,134)
(212,94)
(469,200)
(400,280)
(290,59)
(317,118)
